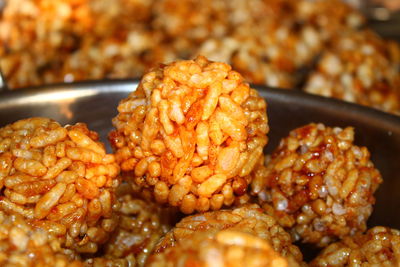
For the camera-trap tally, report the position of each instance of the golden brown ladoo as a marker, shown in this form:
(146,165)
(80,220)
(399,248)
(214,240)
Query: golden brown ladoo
(59,179)
(248,219)
(380,246)
(63,40)
(220,248)
(359,67)
(23,245)
(318,184)
(191,135)
(141,225)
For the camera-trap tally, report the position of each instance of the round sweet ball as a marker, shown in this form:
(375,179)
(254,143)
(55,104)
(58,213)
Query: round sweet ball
(318,184)
(378,247)
(248,219)
(59,179)
(220,248)
(141,226)
(23,245)
(191,134)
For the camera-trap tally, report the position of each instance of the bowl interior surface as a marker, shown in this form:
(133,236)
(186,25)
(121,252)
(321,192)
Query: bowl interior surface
(95,104)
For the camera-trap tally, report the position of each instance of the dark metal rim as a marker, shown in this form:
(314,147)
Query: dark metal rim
(302,99)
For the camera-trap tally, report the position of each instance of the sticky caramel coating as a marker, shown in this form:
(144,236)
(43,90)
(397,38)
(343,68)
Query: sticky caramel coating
(318,184)
(191,134)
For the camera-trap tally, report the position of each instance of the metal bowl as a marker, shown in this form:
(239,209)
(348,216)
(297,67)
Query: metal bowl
(95,103)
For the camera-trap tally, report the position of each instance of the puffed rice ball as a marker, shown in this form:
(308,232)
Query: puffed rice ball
(220,248)
(140,227)
(380,246)
(191,134)
(248,219)
(361,68)
(329,18)
(59,179)
(318,184)
(23,245)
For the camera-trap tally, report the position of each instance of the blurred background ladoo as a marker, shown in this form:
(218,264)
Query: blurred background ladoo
(341,49)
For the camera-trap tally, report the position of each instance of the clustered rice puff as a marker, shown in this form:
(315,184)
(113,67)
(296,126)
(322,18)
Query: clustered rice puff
(191,134)
(59,179)
(23,245)
(141,225)
(379,246)
(318,184)
(247,219)
(220,248)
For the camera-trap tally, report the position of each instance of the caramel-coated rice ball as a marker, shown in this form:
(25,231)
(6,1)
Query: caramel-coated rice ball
(191,134)
(220,248)
(59,179)
(140,227)
(23,245)
(330,18)
(380,246)
(318,184)
(248,219)
(361,68)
